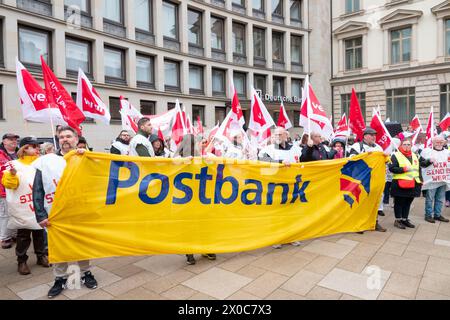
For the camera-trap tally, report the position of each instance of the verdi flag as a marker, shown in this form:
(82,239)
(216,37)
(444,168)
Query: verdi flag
(129,115)
(57,95)
(356,121)
(283,119)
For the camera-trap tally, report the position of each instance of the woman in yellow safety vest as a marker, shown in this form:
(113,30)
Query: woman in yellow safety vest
(406,183)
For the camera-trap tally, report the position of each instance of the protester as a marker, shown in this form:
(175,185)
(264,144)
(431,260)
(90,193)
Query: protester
(49,170)
(368,145)
(122,144)
(47,148)
(158,146)
(82,143)
(57,132)
(435,195)
(8,152)
(315,150)
(280,151)
(140,144)
(406,183)
(338,145)
(235,149)
(17,181)
(188,149)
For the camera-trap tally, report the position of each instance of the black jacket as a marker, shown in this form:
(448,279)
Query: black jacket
(316,153)
(396,191)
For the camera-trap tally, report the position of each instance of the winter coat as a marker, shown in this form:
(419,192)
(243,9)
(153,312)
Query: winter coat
(396,191)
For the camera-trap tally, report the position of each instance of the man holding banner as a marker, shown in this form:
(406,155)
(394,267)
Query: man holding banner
(436,178)
(49,170)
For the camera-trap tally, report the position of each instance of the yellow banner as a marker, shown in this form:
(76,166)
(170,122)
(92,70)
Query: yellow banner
(108,205)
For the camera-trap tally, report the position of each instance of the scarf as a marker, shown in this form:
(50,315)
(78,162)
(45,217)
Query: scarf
(407,154)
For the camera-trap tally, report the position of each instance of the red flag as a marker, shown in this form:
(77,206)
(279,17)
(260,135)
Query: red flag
(160,134)
(213,132)
(312,115)
(130,115)
(178,127)
(35,106)
(445,123)
(283,119)
(383,139)
(199,128)
(237,116)
(415,123)
(57,95)
(430,130)
(342,127)
(89,101)
(356,121)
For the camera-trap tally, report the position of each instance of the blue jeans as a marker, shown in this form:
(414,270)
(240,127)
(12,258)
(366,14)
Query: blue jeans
(435,197)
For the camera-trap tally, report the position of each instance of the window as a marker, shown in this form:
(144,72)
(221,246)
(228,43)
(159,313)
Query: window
(217,34)
(296,88)
(240,3)
(345,103)
(258,5)
(114,64)
(2,62)
(260,83)
(277,46)
(1,103)
(352,6)
(296,122)
(170,20)
(220,114)
(353,54)
(148,107)
(238,39)
(198,111)
(277,7)
(445,100)
(296,10)
(32,44)
(114,109)
(84,5)
(239,79)
(196,79)
(447,37)
(145,70)
(78,55)
(195,27)
(296,50)
(143,15)
(259,43)
(278,87)
(113,11)
(401,45)
(218,82)
(172,75)
(401,104)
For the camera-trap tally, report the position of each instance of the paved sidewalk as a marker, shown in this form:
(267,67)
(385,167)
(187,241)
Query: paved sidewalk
(414,264)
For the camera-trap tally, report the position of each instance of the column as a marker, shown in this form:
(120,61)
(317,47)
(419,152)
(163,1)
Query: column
(228,81)
(286,12)
(58,9)
(249,43)
(228,5)
(249,83)
(288,87)
(365,52)
(341,55)
(183,13)
(11,51)
(59,60)
(158,25)
(440,38)
(207,33)
(131,67)
(269,47)
(208,81)
(98,60)
(249,7)
(129,19)
(268,9)
(287,51)
(159,73)
(386,50)
(229,39)
(184,76)
(97,14)
(415,44)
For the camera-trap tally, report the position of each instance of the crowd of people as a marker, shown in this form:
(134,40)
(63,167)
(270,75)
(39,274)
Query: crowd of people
(30,168)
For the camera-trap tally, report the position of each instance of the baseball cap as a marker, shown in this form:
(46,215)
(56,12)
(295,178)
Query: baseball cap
(28,140)
(10,136)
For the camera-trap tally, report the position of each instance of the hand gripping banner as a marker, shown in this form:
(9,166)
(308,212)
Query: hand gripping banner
(108,205)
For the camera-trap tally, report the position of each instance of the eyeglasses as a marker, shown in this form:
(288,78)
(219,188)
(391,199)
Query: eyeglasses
(33,146)
(407,145)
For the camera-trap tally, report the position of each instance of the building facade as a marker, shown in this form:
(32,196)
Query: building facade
(396,55)
(155,51)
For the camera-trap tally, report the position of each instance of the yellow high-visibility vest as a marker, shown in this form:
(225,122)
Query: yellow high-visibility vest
(404,162)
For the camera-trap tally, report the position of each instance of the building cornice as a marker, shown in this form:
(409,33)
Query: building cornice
(351,27)
(400,16)
(392,74)
(442,10)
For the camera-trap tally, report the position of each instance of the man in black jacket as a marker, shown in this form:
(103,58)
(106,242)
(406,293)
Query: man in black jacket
(68,139)
(315,151)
